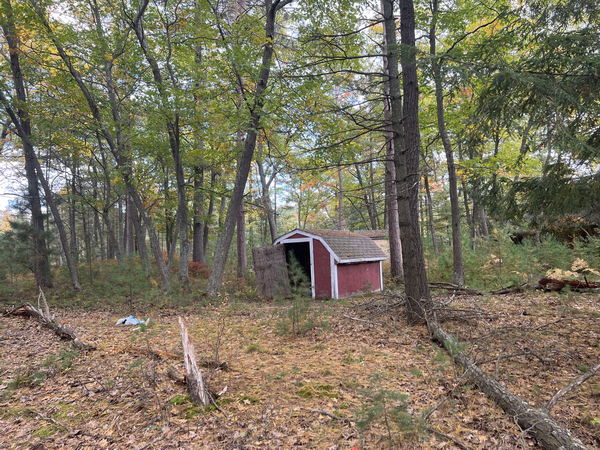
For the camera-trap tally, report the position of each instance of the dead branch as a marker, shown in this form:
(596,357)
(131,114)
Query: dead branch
(195,383)
(549,433)
(572,386)
(455,288)
(448,438)
(42,314)
(333,416)
(513,289)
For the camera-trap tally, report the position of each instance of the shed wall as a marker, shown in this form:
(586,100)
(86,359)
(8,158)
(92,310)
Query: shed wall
(353,278)
(322,270)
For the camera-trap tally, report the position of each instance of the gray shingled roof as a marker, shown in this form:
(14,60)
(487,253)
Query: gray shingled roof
(373,234)
(348,245)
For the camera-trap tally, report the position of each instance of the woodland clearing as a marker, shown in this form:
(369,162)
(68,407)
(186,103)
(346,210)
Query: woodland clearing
(287,390)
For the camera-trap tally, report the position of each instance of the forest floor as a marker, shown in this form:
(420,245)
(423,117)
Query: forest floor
(357,359)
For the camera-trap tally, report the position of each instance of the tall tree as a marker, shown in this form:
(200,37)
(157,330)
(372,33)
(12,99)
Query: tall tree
(256,112)
(458,270)
(405,125)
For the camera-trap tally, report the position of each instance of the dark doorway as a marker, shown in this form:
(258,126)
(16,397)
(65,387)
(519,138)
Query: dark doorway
(297,255)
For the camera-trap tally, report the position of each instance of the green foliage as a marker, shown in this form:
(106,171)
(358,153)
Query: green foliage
(51,366)
(311,390)
(390,410)
(498,262)
(299,317)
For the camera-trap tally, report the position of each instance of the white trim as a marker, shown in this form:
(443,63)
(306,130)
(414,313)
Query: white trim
(355,260)
(336,283)
(313,282)
(331,269)
(380,275)
(286,237)
(312,258)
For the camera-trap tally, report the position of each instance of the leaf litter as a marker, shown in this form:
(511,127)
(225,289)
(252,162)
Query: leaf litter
(285,390)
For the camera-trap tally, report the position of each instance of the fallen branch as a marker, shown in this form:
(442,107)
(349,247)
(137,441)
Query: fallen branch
(512,289)
(572,386)
(42,315)
(549,433)
(333,416)
(447,437)
(454,288)
(193,376)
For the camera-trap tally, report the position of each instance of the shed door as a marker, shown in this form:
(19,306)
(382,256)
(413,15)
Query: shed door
(270,266)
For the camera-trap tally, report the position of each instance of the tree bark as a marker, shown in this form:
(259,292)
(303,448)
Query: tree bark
(266,200)
(405,125)
(391,192)
(216,277)
(242,259)
(458,275)
(199,221)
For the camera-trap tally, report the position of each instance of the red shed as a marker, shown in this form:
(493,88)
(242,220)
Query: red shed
(338,263)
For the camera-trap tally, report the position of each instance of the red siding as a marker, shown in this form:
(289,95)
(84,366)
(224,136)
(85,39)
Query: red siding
(322,270)
(354,278)
(297,236)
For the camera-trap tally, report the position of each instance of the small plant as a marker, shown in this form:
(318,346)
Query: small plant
(253,348)
(383,407)
(298,318)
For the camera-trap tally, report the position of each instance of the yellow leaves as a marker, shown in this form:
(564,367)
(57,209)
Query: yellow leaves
(559,274)
(582,266)
(309,184)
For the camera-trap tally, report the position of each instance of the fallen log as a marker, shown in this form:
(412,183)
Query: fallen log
(551,284)
(42,314)
(535,421)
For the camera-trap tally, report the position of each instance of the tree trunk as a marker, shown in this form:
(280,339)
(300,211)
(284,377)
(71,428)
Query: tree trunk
(216,277)
(211,208)
(391,194)
(266,200)
(40,262)
(406,147)
(341,220)
(242,259)
(199,221)
(430,221)
(537,422)
(458,275)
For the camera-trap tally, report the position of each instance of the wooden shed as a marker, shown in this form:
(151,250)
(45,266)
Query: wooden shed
(337,263)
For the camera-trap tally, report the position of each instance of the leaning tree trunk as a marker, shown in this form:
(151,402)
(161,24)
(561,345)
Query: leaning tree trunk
(216,277)
(458,276)
(117,148)
(40,262)
(242,259)
(406,147)
(48,195)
